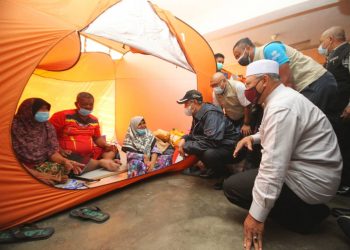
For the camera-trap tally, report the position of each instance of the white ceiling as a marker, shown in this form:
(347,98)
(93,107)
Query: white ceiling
(210,15)
(296,22)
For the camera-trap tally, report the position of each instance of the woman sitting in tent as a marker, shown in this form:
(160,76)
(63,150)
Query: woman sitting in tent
(142,152)
(35,143)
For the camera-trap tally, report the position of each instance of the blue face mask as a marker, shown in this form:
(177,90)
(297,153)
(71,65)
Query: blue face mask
(322,50)
(219,66)
(141,131)
(41,116)
(84,112)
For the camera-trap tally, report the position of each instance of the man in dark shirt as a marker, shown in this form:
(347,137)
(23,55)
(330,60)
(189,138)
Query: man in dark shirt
(334,46)
(212,137)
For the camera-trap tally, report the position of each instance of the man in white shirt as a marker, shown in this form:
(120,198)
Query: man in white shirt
(301,162)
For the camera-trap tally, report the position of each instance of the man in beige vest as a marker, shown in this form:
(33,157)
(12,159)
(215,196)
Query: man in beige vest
(296,70)
(229,95)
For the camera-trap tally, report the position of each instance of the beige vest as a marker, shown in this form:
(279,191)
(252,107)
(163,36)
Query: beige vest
(304,70)
(229,101)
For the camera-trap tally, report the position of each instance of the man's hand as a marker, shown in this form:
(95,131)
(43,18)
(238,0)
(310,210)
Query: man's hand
(74,166)
(246,130)
(181,147)
(65,152)
(346,113)
(253,233)
(245,142)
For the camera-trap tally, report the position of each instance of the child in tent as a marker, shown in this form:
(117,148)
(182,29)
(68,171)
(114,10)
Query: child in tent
(143,154)
(35,143)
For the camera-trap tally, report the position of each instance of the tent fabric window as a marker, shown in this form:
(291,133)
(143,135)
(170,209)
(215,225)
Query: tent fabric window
(135,23)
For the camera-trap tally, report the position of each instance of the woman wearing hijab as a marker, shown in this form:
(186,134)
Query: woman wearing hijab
(141,150)
(35,143)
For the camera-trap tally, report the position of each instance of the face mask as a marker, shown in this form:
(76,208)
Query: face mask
(322,51)
(243,59)
(84,112)
(252,94)
(41,116)
(141,131)
(188,111)
(218,90)
(219,66)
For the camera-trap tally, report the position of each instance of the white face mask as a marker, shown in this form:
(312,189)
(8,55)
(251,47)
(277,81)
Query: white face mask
(218,90)
(188,111)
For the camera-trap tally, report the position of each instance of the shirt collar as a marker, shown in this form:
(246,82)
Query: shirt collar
(274,93)
(339,45)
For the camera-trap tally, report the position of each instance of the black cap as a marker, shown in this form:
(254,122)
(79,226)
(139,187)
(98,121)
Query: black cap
(191,95)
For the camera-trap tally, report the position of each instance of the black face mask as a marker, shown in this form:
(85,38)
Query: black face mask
(244,60)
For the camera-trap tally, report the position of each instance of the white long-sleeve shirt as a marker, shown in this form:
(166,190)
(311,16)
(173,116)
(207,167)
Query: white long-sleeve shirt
(300,149)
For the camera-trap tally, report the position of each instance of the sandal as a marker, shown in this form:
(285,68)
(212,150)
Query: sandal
(92,213)
(25,233)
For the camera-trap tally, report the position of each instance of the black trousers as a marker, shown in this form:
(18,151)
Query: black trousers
(217,158)
(289,210)
(322,93)
(342,129)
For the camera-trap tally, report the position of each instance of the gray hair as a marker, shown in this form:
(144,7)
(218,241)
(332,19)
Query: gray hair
(337,32)
(274,77)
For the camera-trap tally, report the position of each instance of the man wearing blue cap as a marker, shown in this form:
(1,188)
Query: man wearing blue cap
(301,163)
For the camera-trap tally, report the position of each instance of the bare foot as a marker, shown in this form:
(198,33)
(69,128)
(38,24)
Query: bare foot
(110,165)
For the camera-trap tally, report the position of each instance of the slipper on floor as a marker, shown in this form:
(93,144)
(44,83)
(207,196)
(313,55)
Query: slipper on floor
(25,233)
(337,211)
(90,213)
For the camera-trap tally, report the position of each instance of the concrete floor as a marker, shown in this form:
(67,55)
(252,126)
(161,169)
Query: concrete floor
(175,211)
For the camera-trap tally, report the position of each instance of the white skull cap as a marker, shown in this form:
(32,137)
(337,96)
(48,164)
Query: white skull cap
(263,66)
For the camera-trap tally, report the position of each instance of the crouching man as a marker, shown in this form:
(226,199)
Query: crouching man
(301,163)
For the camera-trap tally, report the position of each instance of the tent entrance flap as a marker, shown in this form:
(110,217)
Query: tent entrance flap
(134,23)
(31,29)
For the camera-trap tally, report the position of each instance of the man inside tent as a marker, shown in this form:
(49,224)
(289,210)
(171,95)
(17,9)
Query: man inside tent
(79,136)
(212,137)
(301,163)
(296,70)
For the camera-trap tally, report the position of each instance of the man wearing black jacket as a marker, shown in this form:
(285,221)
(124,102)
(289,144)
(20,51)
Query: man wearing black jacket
(334,46)
(212,137)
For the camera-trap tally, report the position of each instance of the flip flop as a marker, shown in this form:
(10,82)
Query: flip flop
(90,213)
(25,233)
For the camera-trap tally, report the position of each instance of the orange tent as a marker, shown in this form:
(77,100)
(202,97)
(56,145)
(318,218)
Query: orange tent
(40,56)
